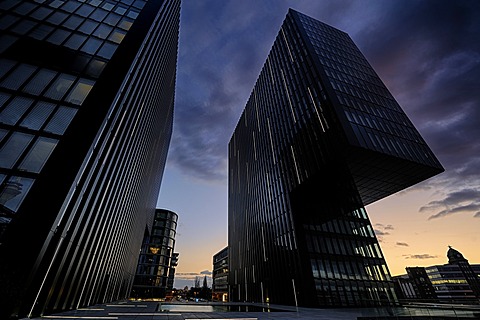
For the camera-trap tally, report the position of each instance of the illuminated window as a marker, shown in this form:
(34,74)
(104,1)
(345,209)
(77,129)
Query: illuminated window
(80,91)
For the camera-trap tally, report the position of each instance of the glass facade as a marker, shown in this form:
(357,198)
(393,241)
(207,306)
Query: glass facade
(220,276)
(157,261)
(86,113)
(301,172)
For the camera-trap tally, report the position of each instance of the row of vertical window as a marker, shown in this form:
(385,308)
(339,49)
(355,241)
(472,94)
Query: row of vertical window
(383,142)
(351,269)
(344,292)
(44,82)
(354,78)
(391,116)
(380,124)
(323,244)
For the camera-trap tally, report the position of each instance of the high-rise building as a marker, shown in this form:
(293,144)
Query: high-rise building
(86,112)
(157,261)
(320,138)
(220,276)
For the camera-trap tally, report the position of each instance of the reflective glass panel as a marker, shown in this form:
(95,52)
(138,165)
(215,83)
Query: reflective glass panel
(14,147)
(107,50)
(38,115)
(61,120)
(38,154)
(18,76)
(80,91)
(60,86)
(92,45)
(14,192)
(39,81)
(15,110)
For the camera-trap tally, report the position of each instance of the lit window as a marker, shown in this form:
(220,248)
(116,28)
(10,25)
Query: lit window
(80,91)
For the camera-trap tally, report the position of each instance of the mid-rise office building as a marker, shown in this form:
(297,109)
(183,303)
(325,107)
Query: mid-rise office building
(320,138)
(220,276)
(86,113)
(458,281)
(156,265)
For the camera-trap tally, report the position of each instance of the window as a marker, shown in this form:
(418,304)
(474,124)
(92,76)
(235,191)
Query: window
(80,91)
(24,26)
(102,31)
(61,120)
(57,18)
(18,76)
(39,81)
(5,66)
(58,36)
(112,19)
(117,36)
(95,68)
(15,110)
(107,50)
(38,154)
(73,22)
(91,46)
(41,13)
(75,41)
(41,31)
(14,191)
(88,26)
(71,6)
(60,86)
(13,149)
(38,115)
(99,14)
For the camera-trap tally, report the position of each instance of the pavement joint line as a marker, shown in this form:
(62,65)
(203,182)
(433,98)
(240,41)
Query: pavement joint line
(143,314)
(80,317)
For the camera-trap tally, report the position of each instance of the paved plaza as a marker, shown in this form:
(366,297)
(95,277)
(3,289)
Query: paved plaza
(133,310)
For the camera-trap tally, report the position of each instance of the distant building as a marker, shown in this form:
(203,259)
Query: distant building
(157,262)
(422,285)
(455,282)
(220,276)
(171,273)
(404,287)
(320,138)
(87,92)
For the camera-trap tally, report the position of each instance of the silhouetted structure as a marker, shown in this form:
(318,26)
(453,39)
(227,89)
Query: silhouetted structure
(220,276)
(320,138)
(455,282)
(86,112)
(157,261)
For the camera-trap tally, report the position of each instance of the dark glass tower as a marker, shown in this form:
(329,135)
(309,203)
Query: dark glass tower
(157,261)
(320,138)
(86,111)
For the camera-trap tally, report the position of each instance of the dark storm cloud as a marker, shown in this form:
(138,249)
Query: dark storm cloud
(419,256)
(427,52)
(466,201)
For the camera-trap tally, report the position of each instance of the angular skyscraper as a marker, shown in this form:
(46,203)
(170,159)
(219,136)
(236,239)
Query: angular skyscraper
(86,112)
(320,138)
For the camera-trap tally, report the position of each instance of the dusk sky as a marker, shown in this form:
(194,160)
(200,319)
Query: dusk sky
(427,52)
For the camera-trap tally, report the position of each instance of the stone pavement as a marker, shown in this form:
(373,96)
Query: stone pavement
(133,310)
